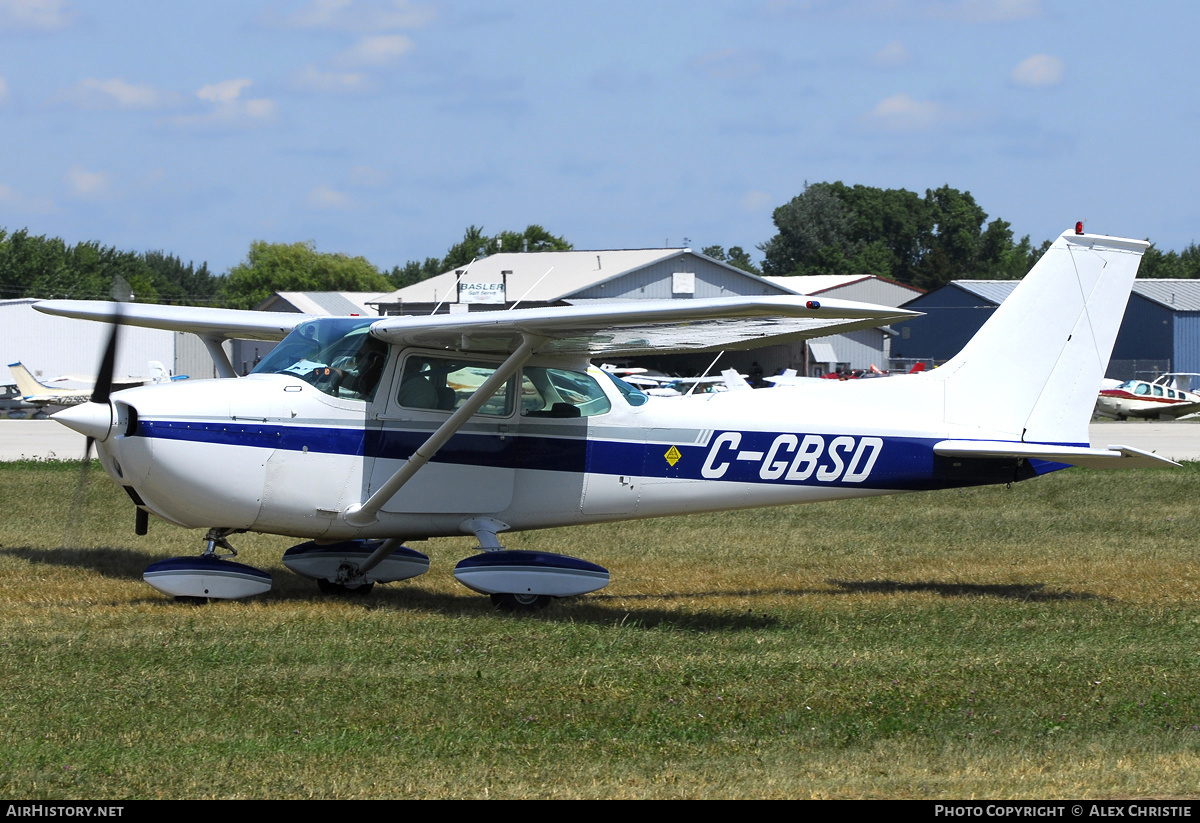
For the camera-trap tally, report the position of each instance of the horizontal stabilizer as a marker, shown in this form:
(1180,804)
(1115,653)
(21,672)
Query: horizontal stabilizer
(1114,457)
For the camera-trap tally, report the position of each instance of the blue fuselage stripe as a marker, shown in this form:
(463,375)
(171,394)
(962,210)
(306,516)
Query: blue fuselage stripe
(782,458)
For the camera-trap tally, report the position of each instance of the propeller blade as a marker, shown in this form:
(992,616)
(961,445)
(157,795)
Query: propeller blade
(100,396)
(108,363)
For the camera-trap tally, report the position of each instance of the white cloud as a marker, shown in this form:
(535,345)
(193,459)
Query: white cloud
(311,78)
(115,93)
(27,205)
(730,64)
(326,197)
(227,109)
(891,55)
(1038,71)
(376,51)
(88,185)
(901,112)
(224,92)
(987,11)
(368,177)
(360,15)
(37,15)
(3,90)
(755,201)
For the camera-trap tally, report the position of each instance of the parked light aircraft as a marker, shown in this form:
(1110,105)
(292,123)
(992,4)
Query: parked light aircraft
(1167,398)
(39,394)
(359,433)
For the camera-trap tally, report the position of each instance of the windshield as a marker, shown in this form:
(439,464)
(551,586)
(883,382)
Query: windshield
(336,355)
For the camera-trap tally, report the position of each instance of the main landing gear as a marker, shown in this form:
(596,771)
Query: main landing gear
(523,581)
(516,581)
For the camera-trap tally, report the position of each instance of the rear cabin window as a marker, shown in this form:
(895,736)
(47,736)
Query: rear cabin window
(561,393)
(444,384)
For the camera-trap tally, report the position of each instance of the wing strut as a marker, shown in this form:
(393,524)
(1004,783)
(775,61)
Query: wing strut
(366,513)
(219,358)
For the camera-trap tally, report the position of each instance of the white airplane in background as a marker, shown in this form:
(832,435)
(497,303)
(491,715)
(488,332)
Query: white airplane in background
(40,394)
(357,434)
(1166,398)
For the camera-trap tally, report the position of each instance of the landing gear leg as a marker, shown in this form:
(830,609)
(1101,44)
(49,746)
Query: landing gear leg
(219,539)
(215,539)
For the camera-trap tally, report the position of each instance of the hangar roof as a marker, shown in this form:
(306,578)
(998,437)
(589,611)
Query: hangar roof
(570,272)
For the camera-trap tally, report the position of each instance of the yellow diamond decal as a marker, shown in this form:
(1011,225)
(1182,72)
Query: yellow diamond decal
(673,455)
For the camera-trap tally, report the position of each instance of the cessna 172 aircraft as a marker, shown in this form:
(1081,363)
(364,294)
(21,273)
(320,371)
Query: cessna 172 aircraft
(359,433)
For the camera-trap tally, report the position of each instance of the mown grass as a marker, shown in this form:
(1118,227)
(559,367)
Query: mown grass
(1038,641)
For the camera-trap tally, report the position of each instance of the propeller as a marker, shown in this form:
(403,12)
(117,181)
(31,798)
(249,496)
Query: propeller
(96,413)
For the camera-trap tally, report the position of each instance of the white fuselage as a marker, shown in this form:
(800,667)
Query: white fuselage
(271,453)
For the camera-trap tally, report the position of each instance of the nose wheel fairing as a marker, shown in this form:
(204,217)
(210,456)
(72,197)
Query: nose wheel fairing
(333,561)
(207,576)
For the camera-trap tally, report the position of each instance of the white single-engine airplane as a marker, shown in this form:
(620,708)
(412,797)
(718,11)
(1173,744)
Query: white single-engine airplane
(358,433)
(37,393)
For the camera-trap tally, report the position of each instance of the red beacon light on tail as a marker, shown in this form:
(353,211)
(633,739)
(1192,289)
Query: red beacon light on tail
(1079,227)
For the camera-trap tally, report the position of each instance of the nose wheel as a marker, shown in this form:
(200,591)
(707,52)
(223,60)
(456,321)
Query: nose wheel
(521,602)
(343,589)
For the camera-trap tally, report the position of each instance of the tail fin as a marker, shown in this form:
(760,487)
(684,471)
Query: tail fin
(26,382)
(734,381)
(1032,372)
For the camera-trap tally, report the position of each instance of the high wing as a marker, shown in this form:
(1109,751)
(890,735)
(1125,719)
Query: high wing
(220,324)
(643,327)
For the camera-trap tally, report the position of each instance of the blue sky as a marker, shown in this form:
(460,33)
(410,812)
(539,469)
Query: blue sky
(385,128)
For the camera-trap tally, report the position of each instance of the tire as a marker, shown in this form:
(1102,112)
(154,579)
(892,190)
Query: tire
(521,602)
(339,590)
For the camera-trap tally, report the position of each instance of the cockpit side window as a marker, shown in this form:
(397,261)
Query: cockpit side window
(444,384)
(633,395)
(549,392)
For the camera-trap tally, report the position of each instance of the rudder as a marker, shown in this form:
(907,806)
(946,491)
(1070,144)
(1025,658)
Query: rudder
(1032,371)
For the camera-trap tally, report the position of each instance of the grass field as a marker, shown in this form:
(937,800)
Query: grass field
(1038,641)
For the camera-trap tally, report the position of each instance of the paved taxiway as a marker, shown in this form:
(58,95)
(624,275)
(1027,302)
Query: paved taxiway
(47,440)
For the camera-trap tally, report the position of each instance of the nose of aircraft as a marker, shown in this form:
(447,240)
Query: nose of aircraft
(94,420)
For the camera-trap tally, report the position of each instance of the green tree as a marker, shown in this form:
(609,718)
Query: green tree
(272,267)
(736,257)
(177,283)
(832,228)
(816,234)
(474,245)
(1157,263)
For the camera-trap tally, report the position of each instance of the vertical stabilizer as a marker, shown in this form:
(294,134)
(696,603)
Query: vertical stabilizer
(27,384)
(1033,371)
